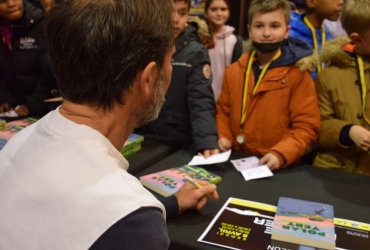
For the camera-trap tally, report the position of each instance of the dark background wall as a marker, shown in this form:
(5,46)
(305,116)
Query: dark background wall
(238,17)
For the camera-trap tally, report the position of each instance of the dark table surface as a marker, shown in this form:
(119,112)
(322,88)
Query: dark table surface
(349,193)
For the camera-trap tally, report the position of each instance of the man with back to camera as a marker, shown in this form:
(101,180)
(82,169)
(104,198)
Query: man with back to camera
(64,184)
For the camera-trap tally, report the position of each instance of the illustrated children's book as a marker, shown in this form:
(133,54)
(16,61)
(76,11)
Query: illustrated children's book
(132,144)
(14,127)
(241,224)
(168,182)
(256,219)
(304,222)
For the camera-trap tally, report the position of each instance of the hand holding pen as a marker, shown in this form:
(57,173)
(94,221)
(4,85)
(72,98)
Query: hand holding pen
(193,194)
(192,181)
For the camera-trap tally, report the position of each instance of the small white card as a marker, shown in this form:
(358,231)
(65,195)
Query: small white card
(217,158)
(245,163)
(257,172)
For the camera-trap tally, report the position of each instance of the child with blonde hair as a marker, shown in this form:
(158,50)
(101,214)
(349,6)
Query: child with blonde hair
(343,94)
(268,105)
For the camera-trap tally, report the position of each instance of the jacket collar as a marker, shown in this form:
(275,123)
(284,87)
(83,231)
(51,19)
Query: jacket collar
(339,52)
(189,34)
(294,52)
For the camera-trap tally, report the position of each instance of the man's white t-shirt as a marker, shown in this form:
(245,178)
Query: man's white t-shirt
(62,185)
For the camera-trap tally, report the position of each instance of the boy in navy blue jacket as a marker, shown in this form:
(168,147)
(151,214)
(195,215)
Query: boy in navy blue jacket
(188,115)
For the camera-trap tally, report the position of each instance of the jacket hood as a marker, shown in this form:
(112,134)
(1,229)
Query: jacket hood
(300,30)
(294,52)
(188,35)
(228,31)
(332,53)
(297,24)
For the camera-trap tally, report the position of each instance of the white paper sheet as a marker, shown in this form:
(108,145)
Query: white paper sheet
(217,158)
(257,172)
(245,163)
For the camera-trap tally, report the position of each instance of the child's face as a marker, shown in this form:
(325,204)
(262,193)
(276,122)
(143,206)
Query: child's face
(329,9)
(269,27)
(180,15)
(11,10)
(218,13)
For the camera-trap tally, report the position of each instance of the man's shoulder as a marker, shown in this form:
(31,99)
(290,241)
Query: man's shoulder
(121,232)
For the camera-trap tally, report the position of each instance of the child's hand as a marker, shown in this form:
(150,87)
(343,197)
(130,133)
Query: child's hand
(22,110)
(224,144)
(360,136)
(271,160)
(208,152)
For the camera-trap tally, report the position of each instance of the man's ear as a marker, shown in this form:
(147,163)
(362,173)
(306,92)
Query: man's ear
(147,78)
(356,38)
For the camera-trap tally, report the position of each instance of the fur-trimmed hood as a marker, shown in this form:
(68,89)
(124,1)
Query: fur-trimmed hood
(332,53)
(294,52)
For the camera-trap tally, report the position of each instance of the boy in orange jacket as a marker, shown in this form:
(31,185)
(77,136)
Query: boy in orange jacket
(268,104)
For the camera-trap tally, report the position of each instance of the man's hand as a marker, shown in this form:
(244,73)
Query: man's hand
(208,152)
(224,144)
(190,197)
(271,160)
(5,107)
(360,136)
(22,110)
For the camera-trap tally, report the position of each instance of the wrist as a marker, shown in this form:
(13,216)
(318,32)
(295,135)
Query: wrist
(345,138)
(281,159)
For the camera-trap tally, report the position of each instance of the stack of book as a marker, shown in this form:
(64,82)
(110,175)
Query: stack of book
(244,224)
(305,223)
(132,144)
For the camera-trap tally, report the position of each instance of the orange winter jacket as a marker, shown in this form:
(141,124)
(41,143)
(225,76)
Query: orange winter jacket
(282,117)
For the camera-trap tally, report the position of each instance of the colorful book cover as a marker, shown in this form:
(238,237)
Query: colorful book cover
(132,144)
(132,150)
(14,127)
(241,224)
(169,181)
(304,222)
